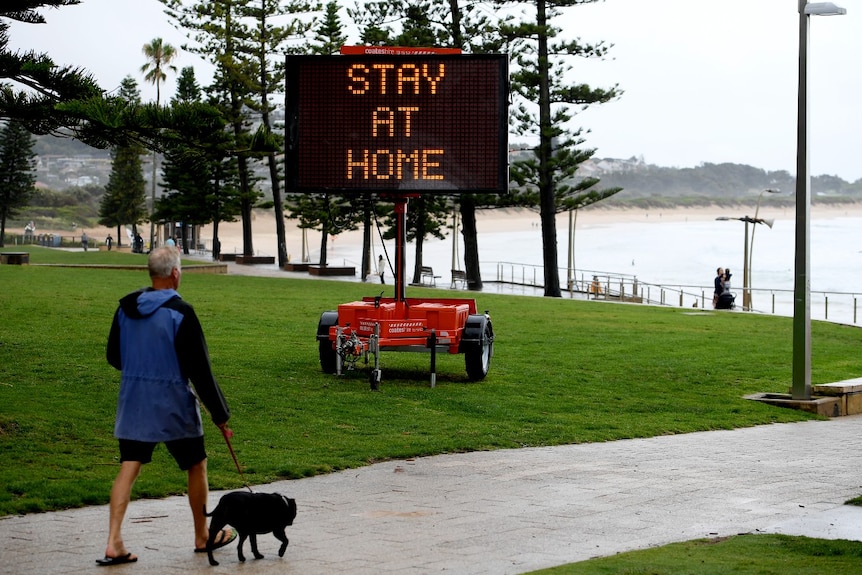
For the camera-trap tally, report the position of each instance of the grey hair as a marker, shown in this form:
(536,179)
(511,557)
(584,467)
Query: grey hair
(162,261)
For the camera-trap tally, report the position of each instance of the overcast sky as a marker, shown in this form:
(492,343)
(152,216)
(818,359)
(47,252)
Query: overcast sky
(703,80)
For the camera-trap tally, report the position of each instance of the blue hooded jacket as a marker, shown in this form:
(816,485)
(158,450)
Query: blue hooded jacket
(157,342)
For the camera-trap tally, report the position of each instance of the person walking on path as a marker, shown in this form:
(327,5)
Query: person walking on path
(381,269)
(157,342)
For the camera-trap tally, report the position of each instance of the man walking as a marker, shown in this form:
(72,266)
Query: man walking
(157,342)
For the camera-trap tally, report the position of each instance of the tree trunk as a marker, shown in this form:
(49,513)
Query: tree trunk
(279,212)
(547,201)
(419,235)
(471,243)
(324,237)
(185,239)
(216,242)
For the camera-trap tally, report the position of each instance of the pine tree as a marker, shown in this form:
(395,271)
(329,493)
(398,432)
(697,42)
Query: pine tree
(266,39)
(17,171)
(545,108)
(43,84)
(329,36)
(218,33)
(201,183)
(125,200)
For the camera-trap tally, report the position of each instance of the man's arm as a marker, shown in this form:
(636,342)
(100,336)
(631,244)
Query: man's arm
(113,351)
(194,361)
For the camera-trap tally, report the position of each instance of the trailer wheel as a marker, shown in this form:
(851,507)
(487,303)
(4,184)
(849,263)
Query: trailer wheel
(478,346)
(325,349)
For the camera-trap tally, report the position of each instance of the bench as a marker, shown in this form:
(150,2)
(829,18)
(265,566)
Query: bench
(427,273)
(15,258)
(459,276)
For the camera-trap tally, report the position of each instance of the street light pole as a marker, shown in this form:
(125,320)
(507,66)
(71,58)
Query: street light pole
(801,388)
(746,264)
(751,247)
(746,295)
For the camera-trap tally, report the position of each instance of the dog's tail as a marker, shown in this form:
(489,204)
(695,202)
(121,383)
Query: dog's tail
(205,511)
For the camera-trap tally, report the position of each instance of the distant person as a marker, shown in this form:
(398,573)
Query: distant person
(726,284)
(85,241)
(138,244)
(171,243)
(719,286)
(157,342)
(109,241)
(596,286)
(381,269)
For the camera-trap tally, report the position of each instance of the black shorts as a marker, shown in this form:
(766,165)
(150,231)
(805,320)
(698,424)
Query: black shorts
(186,452)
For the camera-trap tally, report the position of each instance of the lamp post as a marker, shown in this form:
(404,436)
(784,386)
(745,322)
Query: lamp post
(751,246)
(801,388)
(746,291)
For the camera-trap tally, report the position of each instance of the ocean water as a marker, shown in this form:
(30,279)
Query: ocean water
(667,254)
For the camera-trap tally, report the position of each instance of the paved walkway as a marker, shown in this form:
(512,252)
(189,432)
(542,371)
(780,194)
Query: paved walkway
(499,512)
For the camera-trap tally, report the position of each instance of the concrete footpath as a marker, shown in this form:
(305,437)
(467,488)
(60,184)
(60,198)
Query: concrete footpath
(510,511)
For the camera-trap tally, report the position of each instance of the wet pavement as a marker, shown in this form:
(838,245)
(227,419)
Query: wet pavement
(499,512)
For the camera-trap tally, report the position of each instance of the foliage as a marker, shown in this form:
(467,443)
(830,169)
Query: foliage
(219,34)
(41,83)
(58,395)
(544,109)
(426,217)
(159,57)
(330,213)
(265,40)
(201,182)
(124,202)
(66,101)
(77,205)
(724,181)
(17,171)
(329,35)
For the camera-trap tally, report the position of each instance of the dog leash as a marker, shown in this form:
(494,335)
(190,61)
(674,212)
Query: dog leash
(228,433)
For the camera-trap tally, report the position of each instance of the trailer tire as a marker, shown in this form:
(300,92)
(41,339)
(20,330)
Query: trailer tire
(325,349)
(477,345)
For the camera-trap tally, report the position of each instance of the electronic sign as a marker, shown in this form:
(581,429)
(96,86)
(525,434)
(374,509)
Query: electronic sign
(397,123)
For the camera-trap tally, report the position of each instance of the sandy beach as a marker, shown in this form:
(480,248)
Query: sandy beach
(488,221)
(505,220)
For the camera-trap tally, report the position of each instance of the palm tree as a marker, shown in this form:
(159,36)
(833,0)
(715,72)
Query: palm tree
(159,56)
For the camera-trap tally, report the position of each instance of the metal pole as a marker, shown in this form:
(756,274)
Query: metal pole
(746,295)
(801,388)
(571,262)
(751,247)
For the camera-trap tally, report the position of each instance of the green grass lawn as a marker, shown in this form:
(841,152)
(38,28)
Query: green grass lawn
(564,371)
(740,555)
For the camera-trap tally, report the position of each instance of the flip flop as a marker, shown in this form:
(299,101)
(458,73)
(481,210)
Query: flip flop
(222,539)
(121,560)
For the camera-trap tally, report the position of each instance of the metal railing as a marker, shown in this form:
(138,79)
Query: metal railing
(838,307)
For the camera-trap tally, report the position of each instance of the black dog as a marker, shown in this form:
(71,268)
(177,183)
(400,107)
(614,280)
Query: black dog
(251,514)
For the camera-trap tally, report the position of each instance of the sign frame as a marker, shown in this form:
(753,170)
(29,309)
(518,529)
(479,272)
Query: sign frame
(339,138)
